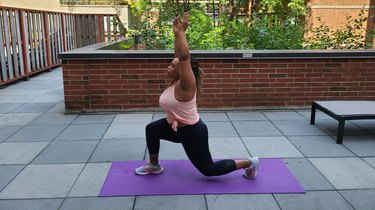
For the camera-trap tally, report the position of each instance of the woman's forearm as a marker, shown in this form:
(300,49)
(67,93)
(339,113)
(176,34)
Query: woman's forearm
(182,46)
(176,47)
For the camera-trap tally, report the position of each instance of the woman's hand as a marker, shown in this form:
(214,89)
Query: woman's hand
(181,25)
(176,22)
(185,23)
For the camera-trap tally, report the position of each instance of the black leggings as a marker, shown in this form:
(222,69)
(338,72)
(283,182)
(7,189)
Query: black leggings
(194,139)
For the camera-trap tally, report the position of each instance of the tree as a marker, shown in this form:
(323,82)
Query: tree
(235,29)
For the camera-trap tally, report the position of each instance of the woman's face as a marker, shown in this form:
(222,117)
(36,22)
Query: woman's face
(173,70)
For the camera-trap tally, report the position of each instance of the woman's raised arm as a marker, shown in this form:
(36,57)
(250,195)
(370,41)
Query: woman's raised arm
(186,87)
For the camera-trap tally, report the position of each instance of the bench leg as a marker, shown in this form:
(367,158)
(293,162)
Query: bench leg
(313,110)
(340,132)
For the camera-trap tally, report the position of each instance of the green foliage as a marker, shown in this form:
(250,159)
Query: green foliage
(202,34)
(123,45)
(236,34)
(297,7)
(275,24)
(119,27)
(285,36)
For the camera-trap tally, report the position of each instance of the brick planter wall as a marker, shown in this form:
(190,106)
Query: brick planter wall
(128,84)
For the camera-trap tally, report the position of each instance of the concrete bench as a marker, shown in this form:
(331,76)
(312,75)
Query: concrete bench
(344,110)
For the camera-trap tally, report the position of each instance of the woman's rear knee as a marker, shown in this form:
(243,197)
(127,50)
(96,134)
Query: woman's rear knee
(207,172)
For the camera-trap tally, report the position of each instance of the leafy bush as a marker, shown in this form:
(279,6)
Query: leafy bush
(349,36)
(260,31)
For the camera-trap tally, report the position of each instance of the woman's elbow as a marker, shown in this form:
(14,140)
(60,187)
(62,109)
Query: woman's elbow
(184,57)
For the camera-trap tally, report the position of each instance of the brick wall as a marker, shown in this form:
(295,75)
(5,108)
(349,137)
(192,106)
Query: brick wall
(113,85)
(334,13)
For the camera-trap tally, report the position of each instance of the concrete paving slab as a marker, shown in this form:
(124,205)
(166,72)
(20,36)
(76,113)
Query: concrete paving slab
(319,146)
(331,126)
(19,85)
(227,147)
(170,151)
(283,115)
(241,202)
(318,115)
(20,152)
(18,118)
(60,108)
(158,115)
(360,199)
(7,107)
(312,201)
(54,119)
(83,132)
(55,92)
(256,128)
(16,99)
(36,204)
(360,145)
(43,181)
(50,83)
(119,149)
(171,202)
(34,107)
(37,133)
(135,117)
(370,161)
(6,131)
(346,173)
(126,130)
(307,175)
(123,203)
(22,92)
(47,99)
(94,118)
(213,116)
(271,147)
(66,152)
(245,116)
(298,128)
(7,173)
(220,129)
(91,180)
(369,125)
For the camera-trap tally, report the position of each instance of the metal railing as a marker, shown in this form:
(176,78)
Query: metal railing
(30,40)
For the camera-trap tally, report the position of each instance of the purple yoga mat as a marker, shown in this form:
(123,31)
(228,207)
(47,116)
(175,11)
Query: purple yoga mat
(180,177)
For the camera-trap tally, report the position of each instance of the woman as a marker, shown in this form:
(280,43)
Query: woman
(183,124)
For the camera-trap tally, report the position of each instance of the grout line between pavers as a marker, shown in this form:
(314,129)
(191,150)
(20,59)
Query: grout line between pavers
(238,134)
(274,198)
(345,199)
(205,201)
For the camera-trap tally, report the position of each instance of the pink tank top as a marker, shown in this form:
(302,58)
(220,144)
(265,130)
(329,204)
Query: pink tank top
(177,111)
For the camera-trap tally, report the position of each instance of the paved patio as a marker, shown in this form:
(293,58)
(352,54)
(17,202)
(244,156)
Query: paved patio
(49,160)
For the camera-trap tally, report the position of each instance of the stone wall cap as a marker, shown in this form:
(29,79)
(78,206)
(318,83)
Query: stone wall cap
(95,52)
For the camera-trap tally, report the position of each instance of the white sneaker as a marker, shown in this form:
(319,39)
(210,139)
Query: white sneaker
(252,171)
(149,169)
